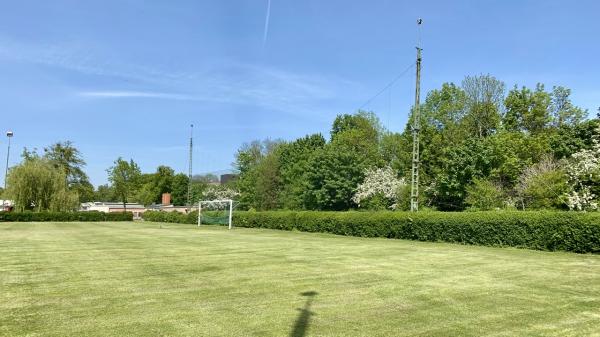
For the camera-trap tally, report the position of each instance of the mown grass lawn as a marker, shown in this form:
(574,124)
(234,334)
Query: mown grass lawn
(138,279)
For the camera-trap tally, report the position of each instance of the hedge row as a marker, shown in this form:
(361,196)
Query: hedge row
(175,217)
(64,216)
(568,231)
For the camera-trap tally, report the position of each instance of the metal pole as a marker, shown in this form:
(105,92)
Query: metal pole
(189,191)
(414,190)
(9,134)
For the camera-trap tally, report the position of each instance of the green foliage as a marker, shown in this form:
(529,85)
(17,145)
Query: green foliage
(336,170)
(294,161)
(542,230)
(28,216)
(258,182)
(527,110)
(546,190)
(152,186)
(484,195)
(36,184)
(461,165)
(125,178)
(563,110)
(104,193)
(173,217)
(484,98)
(179,189)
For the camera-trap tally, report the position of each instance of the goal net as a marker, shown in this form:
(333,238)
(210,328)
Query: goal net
(215,212)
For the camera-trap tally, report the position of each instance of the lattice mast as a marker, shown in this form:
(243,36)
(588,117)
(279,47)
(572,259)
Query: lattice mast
(416,127)
(189,191)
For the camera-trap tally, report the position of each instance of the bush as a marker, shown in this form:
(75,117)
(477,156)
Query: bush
(483,195)
(64,216)
(542,230)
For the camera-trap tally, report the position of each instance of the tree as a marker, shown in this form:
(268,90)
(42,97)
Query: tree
(543,185)
(460,166)
(294,160)
(253,187)
(484,97)
(362,120)
(527,110)
(268,182)
(336,170)
(584,177)
(124,177)
(179,189)
(66,157)
(104,193)
(484,195)
(563,110)
(379,190)
(36,184)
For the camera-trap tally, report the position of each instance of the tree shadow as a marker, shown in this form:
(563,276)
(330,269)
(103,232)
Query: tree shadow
(303,320)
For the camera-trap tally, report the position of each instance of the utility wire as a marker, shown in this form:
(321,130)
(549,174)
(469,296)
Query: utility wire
(392,82)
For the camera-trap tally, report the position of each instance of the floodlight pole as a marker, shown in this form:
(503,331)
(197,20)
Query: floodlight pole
(189,191)
(416,126)
(9,135)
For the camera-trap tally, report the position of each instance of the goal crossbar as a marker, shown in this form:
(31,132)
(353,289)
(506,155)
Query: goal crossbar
(210,202)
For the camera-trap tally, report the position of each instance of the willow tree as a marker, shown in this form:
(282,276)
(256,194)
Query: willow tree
(37,185)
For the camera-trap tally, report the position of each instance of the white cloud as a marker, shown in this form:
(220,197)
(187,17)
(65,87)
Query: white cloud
(258,86)
(137,94)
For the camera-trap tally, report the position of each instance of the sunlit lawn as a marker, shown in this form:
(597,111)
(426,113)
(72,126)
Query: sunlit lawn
(149,279)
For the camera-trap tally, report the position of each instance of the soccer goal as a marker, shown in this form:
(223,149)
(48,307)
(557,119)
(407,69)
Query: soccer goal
(215,212)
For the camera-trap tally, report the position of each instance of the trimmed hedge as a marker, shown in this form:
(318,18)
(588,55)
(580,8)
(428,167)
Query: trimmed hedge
(64,216)
(543,230)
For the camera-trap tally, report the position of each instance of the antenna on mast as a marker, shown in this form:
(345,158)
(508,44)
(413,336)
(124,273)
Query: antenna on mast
(189,191)
(416,126)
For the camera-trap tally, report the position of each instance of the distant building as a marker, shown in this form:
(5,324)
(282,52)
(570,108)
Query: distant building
(225,178)
(6,205)
(113,207)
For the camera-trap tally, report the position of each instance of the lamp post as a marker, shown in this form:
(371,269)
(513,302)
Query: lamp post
(9,135)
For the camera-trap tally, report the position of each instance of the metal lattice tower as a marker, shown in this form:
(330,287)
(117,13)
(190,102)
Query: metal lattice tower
(416,126)
(189,191)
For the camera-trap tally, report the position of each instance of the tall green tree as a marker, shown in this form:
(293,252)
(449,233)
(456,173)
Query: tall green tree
(484,98)
(563,110)
(336,170)
(124,177)
(527,110)
(104,193)
(294,160)
(66,157)
(36,184)
(179,189)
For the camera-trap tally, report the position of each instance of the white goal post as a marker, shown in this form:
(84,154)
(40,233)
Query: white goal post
(218,205)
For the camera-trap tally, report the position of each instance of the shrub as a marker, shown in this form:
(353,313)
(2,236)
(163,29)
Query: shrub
(483,195)
(542,230)
(64,216)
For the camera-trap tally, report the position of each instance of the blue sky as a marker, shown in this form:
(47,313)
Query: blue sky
(127,77)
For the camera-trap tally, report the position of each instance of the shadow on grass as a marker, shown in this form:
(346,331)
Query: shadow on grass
(303,320)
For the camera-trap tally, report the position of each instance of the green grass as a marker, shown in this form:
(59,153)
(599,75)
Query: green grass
(138,279)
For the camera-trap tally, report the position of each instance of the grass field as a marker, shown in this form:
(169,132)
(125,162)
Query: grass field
(149,279)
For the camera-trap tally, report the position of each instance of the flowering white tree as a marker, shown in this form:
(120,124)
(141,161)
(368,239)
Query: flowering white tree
(584,175)
(217,192)
(380,183)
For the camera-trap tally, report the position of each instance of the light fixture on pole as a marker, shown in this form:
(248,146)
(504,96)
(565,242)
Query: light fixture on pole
(9,134)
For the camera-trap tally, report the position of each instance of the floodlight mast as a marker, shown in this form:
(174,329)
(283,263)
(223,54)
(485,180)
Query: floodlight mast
(416,126)
(189,191)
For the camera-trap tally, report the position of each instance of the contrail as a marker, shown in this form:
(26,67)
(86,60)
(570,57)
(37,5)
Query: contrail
(266,33)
